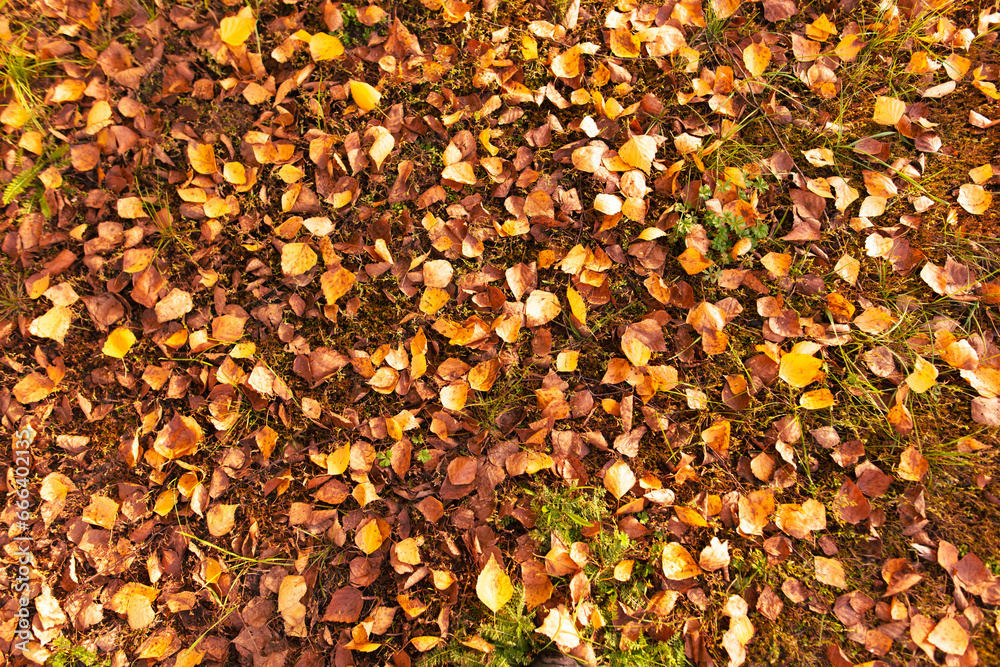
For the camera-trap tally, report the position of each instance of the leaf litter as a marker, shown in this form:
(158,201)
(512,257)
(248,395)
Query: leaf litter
(337,317)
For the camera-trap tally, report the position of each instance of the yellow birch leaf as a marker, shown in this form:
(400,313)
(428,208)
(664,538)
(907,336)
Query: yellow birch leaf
(119,343)
(756,57)
(493,587)
(234,30)
(325,47)
(364,95)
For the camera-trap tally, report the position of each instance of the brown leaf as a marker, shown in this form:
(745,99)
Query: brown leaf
(345,606)
(180,437)
(912,464)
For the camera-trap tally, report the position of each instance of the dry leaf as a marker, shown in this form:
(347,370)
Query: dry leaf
(493,586)
(53,324)
(325,47)
(202,158)
(800,370)
(974,198)
(290,593)
(756,57)
(830,571)
(235,30)
(923,377)
(297,258)
(364,95)
(678,563)
(888,110)
(119,343)
(541,307)
(619,479)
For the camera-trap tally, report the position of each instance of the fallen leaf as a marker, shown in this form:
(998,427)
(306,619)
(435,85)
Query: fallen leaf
(619,479)
(678,563)
(541,307)
(119,343)
(756,57)
(235,30)
(323,46)
(974,198)
(923,377)
(53,324)
(493,586)
(297,258)
(830,571)
(290,593)
(888,110)
(364,95)
(949,636)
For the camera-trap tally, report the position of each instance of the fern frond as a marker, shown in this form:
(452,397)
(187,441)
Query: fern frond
(21,182)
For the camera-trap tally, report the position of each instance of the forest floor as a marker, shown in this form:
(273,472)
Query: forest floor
(460,334)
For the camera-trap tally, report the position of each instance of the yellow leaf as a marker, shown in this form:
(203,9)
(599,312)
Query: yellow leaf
(119,343)
(477,643)
(577,306)
(484,139)
(624,44)
(923,377)
(202,158)
(365,96)
(678,563)
(336,284)
(234,30)
(974,198)
(234,173)
(639,152)
(493,586)
(888,110)
(567,361)
(800,370)
(460,172)
(817,399)
(541,307)
(529,47)
(382,145)
(567,64)
(369,537)
(756,57)
(53,324)
(325,47)
(165,502)
(482,377)
(619,479)
(690,517)
(297,258)
(433,299)
(425,643)
(338,460)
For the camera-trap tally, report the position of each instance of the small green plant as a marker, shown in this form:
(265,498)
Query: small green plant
(511,631)
(643,653)
(68,655)
(384,458)
(566,511)
(723,230)
(424,455)
(27,178)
